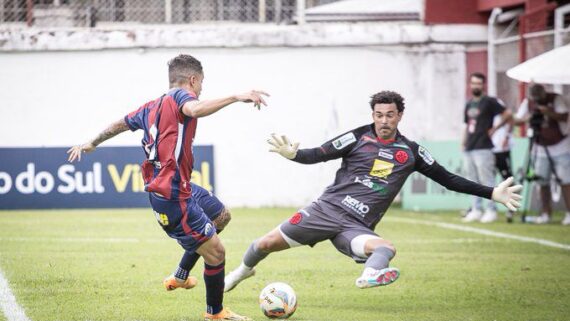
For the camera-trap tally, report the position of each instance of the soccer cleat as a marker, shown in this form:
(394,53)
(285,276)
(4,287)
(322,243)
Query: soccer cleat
(378,278)
(544,218)
(472,216)
(171,284)
(489,216)
(225,314)
(566,220)
(233,278)
(510,216)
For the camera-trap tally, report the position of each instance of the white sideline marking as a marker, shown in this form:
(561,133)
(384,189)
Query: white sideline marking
(10,307)
(482,231)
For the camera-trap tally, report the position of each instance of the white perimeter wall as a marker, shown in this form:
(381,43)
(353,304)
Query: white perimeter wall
(64,98)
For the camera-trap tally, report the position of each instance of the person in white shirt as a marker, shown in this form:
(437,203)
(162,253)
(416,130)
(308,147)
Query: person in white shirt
(502,144)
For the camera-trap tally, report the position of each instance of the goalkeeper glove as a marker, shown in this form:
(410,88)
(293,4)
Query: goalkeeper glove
(508,195)
(282,146)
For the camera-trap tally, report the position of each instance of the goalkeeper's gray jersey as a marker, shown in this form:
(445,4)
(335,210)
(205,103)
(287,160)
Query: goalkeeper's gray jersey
(374,170)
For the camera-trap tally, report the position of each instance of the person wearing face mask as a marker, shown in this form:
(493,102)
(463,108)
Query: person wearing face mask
(479,160)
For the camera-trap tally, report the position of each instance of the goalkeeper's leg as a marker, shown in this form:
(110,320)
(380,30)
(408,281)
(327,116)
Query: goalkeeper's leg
(257,251)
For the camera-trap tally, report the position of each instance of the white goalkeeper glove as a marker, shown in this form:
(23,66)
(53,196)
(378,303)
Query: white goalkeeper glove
(282,146)
(508,195)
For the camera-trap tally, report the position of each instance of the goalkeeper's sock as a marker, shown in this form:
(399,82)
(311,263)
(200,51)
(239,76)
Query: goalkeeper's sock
(380,258)
(252,257)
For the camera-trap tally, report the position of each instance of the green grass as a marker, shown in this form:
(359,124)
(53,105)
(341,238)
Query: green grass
(109,264)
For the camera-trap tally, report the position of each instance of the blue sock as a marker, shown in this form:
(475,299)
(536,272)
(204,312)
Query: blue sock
(214,280)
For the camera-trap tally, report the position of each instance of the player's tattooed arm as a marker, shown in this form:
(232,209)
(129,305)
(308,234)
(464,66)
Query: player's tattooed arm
(113,130)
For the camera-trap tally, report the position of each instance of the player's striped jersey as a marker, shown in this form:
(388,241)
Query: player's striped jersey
(374,170)
(170,162)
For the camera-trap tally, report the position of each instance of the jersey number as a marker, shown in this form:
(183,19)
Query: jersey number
(161,218)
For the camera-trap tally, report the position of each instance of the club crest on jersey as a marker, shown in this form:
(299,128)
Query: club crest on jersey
(344,141)
(385,153)
(401,157)
(425,155)
(381,168)
(296,218)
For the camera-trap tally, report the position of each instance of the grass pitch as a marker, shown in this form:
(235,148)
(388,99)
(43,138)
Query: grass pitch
(109,265)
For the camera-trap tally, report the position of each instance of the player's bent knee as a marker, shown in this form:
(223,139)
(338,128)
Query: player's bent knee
(364,245)
(213,251)
(272,242)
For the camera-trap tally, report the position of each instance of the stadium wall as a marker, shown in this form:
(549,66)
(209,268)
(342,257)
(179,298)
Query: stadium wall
(62,97)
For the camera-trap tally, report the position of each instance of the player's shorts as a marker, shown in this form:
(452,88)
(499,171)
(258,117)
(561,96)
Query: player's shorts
(543,169)
(319,222)
(183,220)
(211,205)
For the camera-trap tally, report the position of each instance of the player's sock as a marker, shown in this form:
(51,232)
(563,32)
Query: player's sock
(252,257)
(380,258)
(214,280)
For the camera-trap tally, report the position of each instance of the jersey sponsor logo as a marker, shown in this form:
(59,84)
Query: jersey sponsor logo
(344,141)
(401,156)
(355,205)
(382,190)
(381,168)
(425,155)
(385,153)
(296,218)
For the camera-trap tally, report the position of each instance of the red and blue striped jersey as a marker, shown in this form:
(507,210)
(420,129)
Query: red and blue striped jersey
(171,168)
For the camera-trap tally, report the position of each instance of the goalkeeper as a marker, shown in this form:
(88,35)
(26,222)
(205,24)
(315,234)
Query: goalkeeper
(376,161)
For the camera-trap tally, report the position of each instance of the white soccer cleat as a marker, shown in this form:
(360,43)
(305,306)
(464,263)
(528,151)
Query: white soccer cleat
(472,216)
(378,278)
(566,220)
(233,278)
(542,219)
(489,216)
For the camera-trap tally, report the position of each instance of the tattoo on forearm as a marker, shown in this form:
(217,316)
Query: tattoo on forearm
(111,131)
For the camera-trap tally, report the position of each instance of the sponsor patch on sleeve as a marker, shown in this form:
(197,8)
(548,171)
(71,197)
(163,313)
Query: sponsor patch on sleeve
(425,155)
(344,141)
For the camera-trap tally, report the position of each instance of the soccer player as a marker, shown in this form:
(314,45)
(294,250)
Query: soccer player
(376,160)
(169,125)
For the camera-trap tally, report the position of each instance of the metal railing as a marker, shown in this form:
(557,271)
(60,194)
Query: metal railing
(89,13)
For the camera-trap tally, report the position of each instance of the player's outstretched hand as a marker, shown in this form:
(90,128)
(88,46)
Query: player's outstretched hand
(254,96)
(75,151)
(283,146)
(508,195)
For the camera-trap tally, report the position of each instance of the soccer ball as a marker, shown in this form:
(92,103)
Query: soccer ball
(278,301)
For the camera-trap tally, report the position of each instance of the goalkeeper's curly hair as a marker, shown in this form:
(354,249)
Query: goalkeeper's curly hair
(388,97)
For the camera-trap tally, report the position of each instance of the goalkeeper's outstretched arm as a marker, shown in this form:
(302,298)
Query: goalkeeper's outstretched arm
(503,193)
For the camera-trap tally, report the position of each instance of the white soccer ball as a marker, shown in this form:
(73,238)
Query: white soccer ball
(278,301)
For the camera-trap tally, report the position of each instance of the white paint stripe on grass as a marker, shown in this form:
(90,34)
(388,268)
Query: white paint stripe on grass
(10,307)
(483,231)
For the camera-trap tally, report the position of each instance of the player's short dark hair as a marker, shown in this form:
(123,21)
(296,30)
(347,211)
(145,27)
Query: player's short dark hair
(479,75)
(181,67)
(388,97)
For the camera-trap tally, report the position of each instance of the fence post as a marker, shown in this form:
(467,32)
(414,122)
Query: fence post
(168,11)
(261,8)
(301,12)
(559,14)
(491,68)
